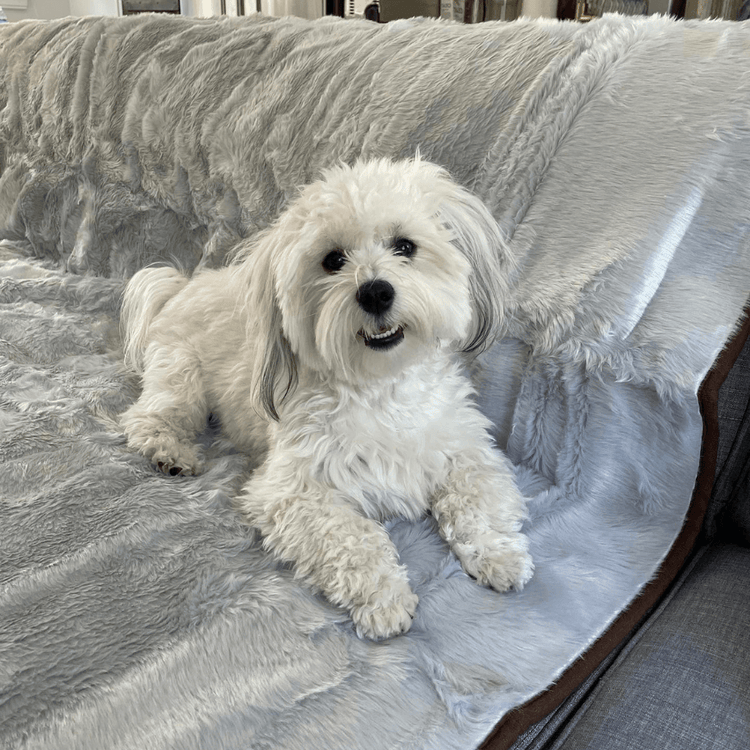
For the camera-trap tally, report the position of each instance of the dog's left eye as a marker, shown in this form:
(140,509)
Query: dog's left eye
(334,261)
(402,246)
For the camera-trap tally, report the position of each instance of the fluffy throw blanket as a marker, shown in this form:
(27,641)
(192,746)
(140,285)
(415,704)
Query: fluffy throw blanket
(137,610)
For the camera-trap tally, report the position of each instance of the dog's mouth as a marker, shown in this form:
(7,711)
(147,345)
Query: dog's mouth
(386,338)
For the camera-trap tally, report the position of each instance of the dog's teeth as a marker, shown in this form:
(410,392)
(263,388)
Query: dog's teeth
(390,333)
(386,334)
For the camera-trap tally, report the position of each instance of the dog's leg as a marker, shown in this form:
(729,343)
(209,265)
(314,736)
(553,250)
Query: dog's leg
(480,511)
(350,558)
(172,409)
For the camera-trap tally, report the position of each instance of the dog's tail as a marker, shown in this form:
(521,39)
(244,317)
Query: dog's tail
(145,295)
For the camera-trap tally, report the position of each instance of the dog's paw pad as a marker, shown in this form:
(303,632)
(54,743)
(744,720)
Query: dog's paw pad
(183,465)
(171,471)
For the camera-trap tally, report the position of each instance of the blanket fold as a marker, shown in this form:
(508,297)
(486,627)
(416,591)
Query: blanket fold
(139,610)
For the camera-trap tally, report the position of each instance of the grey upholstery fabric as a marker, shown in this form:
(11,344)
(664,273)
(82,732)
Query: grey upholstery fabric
(736,523)
(730,503)
(734,397)
(682,682)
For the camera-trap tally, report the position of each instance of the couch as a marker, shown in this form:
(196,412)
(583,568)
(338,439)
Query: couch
(139,610)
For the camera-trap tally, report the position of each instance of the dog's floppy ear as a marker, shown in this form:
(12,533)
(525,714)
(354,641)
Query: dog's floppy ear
(274,373)
(477,234)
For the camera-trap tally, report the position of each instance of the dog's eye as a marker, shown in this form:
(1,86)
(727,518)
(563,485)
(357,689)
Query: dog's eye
(402,246)
(334,261)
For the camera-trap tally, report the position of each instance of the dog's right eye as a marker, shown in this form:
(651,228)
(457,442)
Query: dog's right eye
(334,261)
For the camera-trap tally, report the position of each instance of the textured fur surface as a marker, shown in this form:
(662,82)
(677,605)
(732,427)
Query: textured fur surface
(343,324)
(137,610)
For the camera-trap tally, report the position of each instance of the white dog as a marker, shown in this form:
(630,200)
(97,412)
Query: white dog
(334,341)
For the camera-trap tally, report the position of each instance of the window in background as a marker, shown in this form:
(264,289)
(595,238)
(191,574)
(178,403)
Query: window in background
(133,7)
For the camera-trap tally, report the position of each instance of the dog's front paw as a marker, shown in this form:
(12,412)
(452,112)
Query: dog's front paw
(178,460)
(386,613)
(502,562)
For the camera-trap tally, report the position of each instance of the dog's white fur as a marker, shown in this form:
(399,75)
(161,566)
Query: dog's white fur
(275,346)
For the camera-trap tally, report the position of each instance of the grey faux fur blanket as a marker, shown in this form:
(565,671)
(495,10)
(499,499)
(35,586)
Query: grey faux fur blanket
(138,611)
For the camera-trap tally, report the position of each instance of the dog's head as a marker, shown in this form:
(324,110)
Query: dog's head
(371,269)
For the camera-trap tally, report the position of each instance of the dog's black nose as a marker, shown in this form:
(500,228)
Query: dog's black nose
(376,297)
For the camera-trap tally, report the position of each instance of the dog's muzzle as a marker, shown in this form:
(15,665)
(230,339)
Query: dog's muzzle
(376,298)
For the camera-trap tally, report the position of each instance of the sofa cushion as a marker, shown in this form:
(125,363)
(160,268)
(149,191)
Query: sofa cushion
(682,681)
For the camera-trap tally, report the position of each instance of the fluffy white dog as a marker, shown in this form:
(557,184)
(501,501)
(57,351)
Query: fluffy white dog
(335,341)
